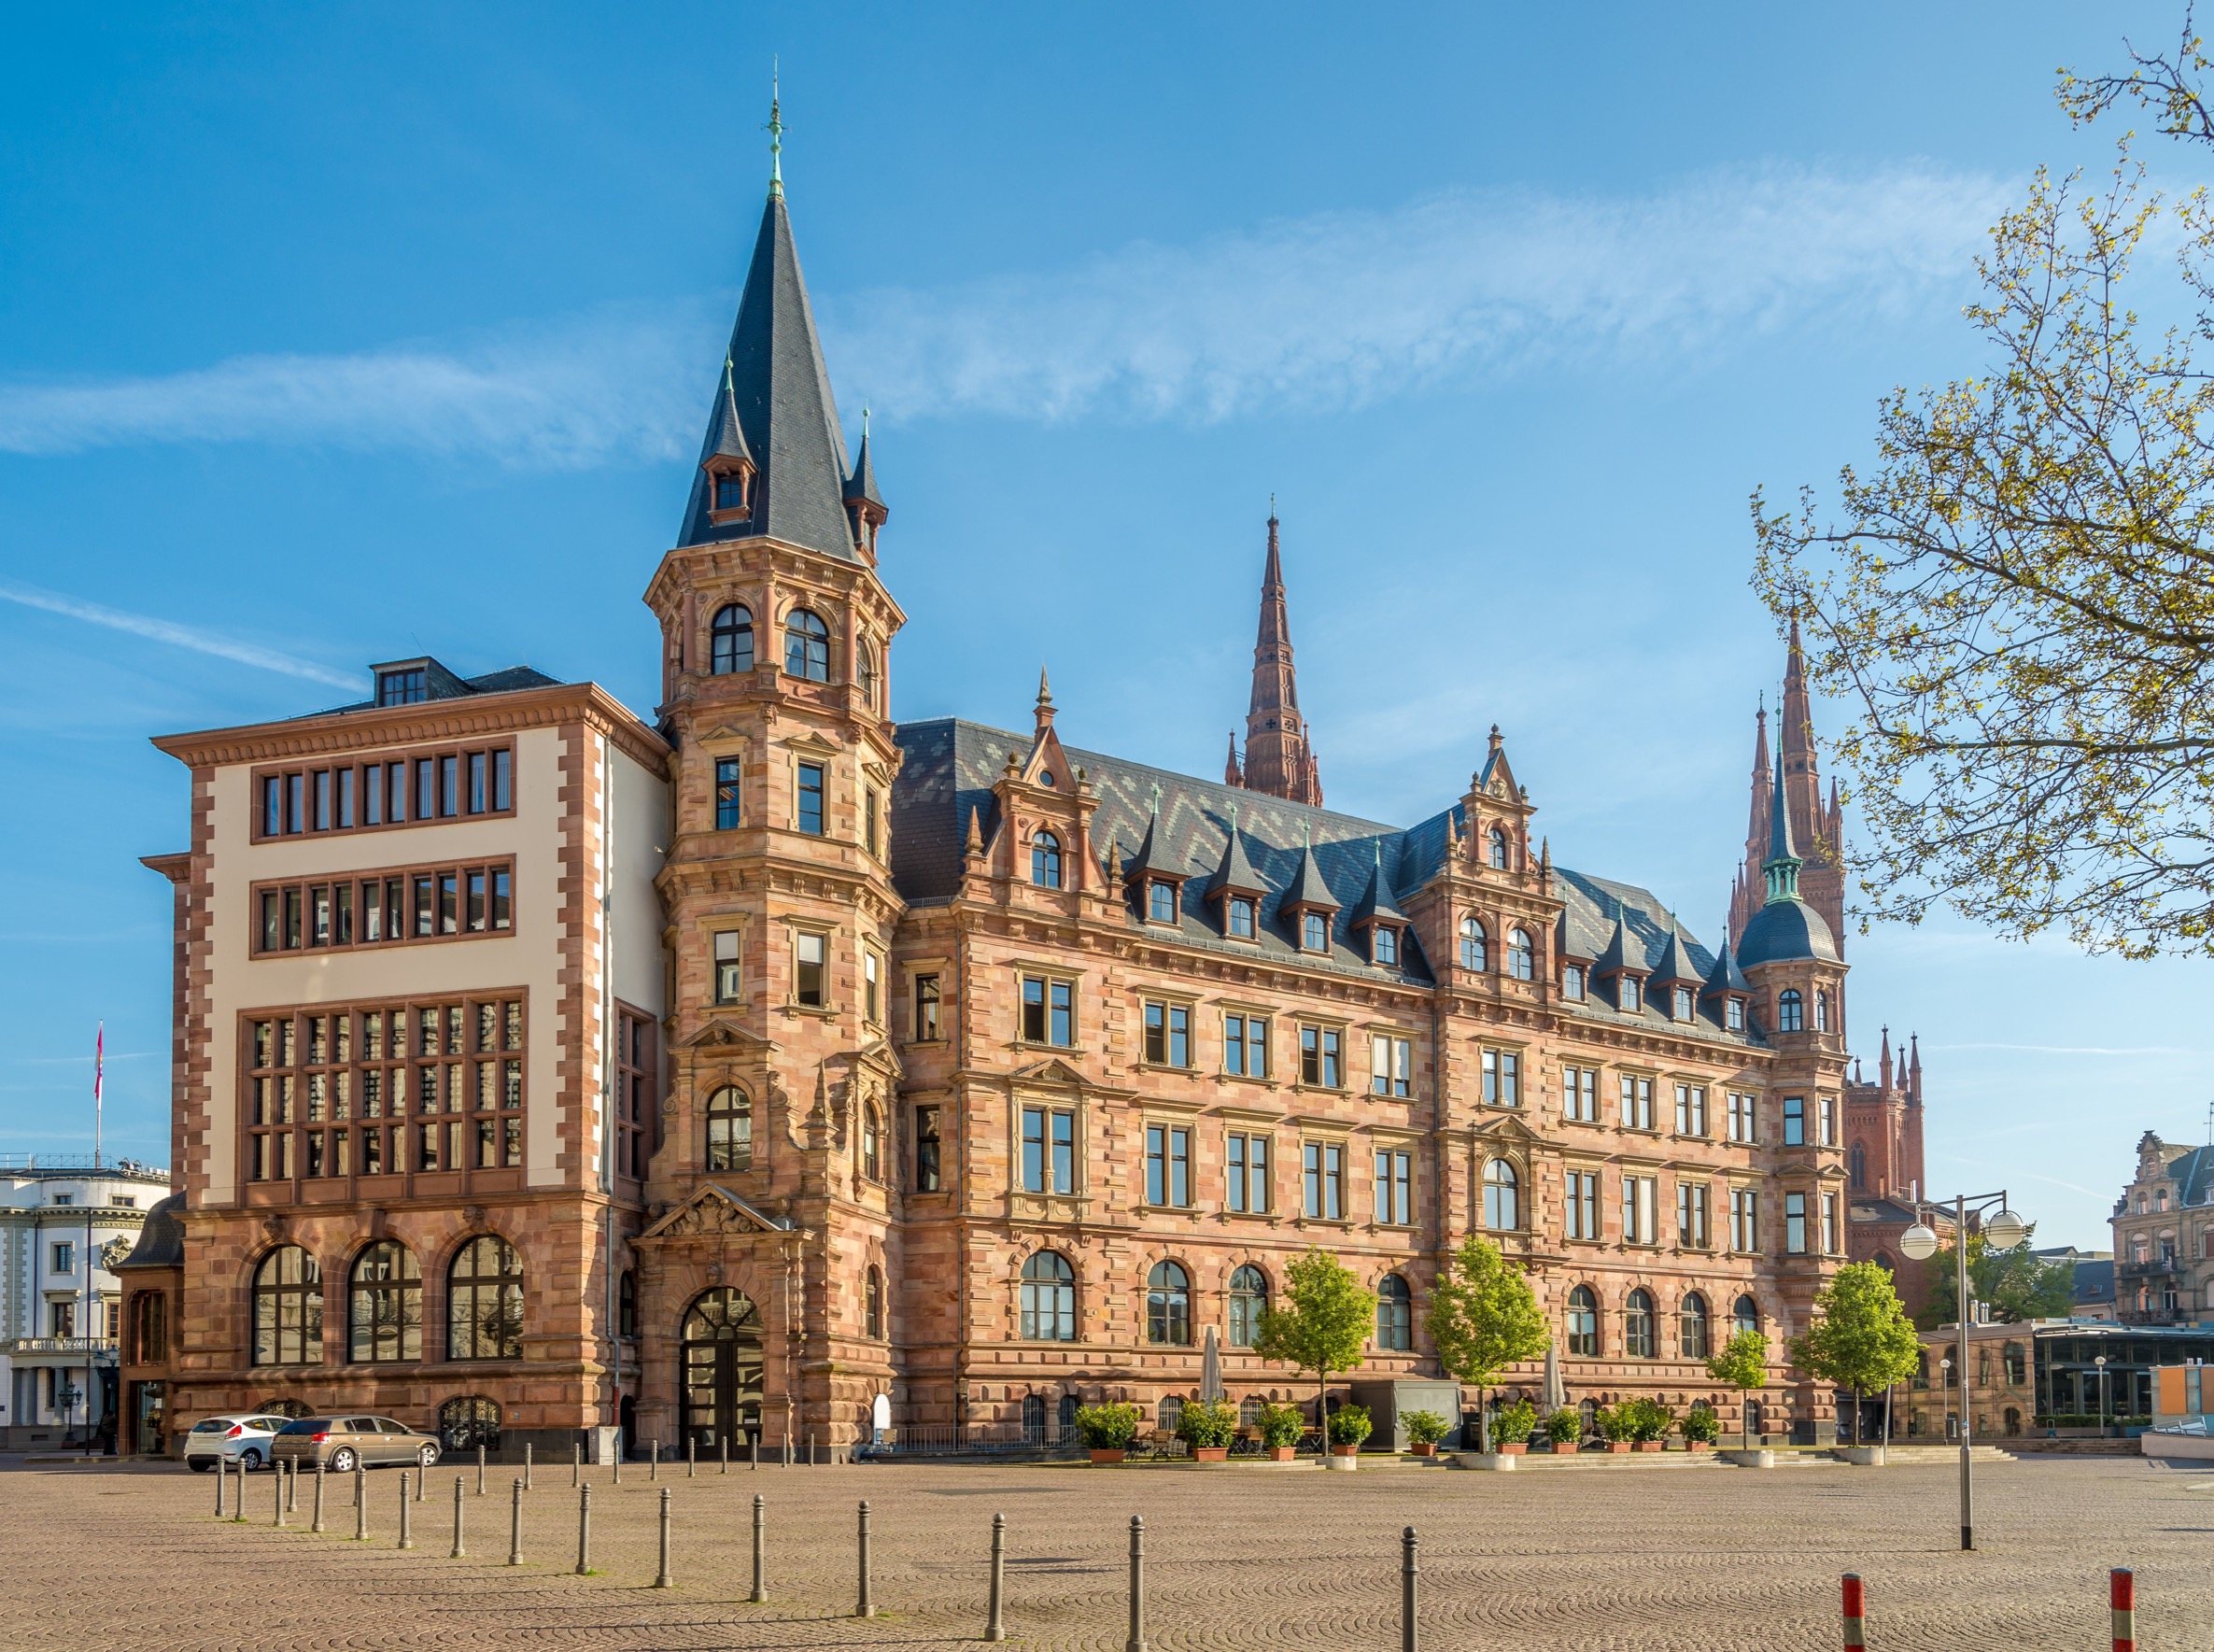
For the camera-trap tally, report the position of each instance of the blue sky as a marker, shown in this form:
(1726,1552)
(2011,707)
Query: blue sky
(339,333)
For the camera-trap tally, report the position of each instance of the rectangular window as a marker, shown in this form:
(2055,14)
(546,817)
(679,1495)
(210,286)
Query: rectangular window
(727,776)
(503,780)
(273,806)
(1828,1115)
(476,783)
(1794,1224)
(1321,1053)
(1246,1180)
(293,821)
(871,1011)
(811,799)
(636,1110)
(396,783)
(373,795)
(1325,1181)
(1829,1224)
(1168,1166)
(1691,1215)
(727,987)
(928,1168)
(1049,1150)
(1582,1204)
(502,900)
(1394,1205)
(449,903)
(1744,1117)
(1241,917)
(1637,1103)
(926,1006)
(1631,994)
(1691,1109)
(1579,1094)
(1795,1121)
(871,805)
(64,1260)
(322,779)
(1571,981)
(1502,1077)
(808,976)
(449,786)
(1168,1035)
(1745,1221)
(1638,1224)
(1161,901)
(1390,1065)
(61,1320)
(1245,1046)
(1063,1026)
(426,788)
(476,900)
(477,915)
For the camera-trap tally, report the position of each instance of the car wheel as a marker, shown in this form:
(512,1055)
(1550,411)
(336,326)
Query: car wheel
(427,1456)
(249,1460)
(341,1461)
(198,1465)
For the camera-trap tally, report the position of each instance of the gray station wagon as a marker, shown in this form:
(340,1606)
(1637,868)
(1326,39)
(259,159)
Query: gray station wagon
(343,1443)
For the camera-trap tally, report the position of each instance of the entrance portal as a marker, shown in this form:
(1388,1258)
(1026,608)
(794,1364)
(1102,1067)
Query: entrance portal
(722,1369)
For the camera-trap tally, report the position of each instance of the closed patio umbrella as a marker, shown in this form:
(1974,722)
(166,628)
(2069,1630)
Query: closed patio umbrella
(1556,1390)
(1210,1371)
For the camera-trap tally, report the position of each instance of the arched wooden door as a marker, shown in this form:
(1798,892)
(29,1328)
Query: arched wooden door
(721,1371)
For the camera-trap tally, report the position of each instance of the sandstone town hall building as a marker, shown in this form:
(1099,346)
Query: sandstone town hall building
(768,1064)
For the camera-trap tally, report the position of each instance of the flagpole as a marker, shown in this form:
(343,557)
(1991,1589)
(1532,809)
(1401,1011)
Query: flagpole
(99,1073)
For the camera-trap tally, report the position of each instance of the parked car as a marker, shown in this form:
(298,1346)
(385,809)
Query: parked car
(341,1444)
(245,1440)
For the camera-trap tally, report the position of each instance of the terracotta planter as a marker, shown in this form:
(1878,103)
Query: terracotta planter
(1210,1454)
(1345,1450)
(1282,1453)
(1510,1448)
(1099,1454)
(1698,1444)
(1650,1445)
(1424,1448)
(1619,1447)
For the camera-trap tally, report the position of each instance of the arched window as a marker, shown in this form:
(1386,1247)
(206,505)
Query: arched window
(1249,1301)
(1858,1160)
(1821,1010)
(468,1422)
(1395,1314)
(1582,1323)
(872,1305)
(807,646)
(1045,860)
(1790,1013)
(1168,1306)
(1498,847)
(485,1302)
(1694,1327)
(1474,953)
(1169,1413)
(1745,1316)
(385,1306)
(1033,1419)
(1522,957)
(866,664)
(1503,1197)
(1637,1326)
(1049,1299)
(729,1130)
(730,640)
(872,1143)
(1249,1411)
(289,1308)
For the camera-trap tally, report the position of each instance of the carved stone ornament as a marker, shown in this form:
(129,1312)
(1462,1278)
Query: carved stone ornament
(474,1215)
(277,1225)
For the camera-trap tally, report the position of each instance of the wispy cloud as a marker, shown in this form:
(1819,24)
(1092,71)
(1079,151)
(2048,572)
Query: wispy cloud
(162,630)
(1335,308)
(2077,1049)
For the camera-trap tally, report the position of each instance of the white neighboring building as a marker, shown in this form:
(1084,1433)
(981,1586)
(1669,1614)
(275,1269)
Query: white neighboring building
(61,1221)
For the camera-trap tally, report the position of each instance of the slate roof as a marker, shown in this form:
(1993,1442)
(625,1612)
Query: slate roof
(2095,1280)
(1310,887)
(446,686)
(782,393)
(2193,1176)
(950,763)
(1787,929)
(161,1236)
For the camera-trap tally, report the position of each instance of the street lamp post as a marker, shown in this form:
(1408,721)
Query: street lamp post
(2002,1231)
(2101,1363)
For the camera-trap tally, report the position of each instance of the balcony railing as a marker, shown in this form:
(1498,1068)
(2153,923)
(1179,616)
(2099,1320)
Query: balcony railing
(2147,1270)
(95,1345)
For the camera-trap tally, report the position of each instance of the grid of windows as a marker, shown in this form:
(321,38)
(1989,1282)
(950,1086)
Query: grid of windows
(385,909)
(1391,1065)
(417,789)
(1245,1176)
(1168,1035)
(1502,1077)
(1324,1180)
(1395,1205)
(1579,1094)
(1245,1046)
(331,1094)
(1168,1166)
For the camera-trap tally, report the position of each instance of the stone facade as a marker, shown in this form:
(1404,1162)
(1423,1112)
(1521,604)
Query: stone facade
(2164,1237)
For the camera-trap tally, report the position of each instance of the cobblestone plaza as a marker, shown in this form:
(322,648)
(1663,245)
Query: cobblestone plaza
(1607,1555)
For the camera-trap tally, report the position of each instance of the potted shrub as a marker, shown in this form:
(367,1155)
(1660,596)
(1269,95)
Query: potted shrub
(1424,1429)
(1108,1429)
(1348,1426)
(1280,1429)
(1208,1428)
(1614,1428)
(1649,1421)
(1700,1427)
(1511,1428)
(1564,1429)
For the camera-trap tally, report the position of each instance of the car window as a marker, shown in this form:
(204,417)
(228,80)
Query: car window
(265,1425)
(214,1425)
(360,1425)
(385,1425)
(305,1425)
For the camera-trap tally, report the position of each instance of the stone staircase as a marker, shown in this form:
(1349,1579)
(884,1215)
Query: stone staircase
(1896,1455)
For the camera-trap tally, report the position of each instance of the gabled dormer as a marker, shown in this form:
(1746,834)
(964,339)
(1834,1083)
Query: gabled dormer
(1051,805)
(1156,880)
(1238,889)
(1308,908)
(1621,969)
(1727,990)
(865,506)
(728,465)
(1675,985)
(1377,922)
(1497,811)
(1576,968)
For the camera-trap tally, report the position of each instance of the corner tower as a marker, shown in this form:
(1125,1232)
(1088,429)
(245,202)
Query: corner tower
(1278,760)
(1817,825)
(760,1283)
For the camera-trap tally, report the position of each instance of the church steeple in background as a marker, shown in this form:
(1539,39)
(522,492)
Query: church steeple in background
(1278,760)
(1791,781)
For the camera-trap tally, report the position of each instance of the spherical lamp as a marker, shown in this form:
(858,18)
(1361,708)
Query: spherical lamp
(2003,1230)
(1920,1242)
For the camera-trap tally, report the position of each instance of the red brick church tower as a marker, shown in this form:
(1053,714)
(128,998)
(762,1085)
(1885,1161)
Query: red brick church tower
(1278,760)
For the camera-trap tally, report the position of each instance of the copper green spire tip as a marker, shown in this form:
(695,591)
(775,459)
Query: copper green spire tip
(776,136)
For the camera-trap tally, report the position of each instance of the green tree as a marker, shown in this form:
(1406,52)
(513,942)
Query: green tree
(2018,595)
(1742,1361)
(2015,1284)
(1483,1318)
(1324,1323)
(1861,1337)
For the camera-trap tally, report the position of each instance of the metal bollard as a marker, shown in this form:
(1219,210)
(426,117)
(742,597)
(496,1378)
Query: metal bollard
(862,1606)
(480,1470)
(238,1494)
(2121,1596)
(786,1444)
(760,1550)
(423,1482)
(277,1485)
(1855,1613)
(662,1578)
(994,1627)
(1408,1570)
(514,1526)
(583,1529)
(618,1460)
(525,1465)
(655,1472)
(360,1482)
(360,1506)
(221,1482)
(291,1487)
(753,1450)
(459,1550)
(576,1464)
(1136,1642)
(318,1521)
(691,1458)
(406,1540)
(810,1448)
(726,1453)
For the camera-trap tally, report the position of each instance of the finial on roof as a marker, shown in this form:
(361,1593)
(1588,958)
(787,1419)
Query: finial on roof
(1233,819)
(1156,797)
(1272,506)
(1496,739)
(776,134)
(1306,834)
(865,424)
(976,833)
(1045,690)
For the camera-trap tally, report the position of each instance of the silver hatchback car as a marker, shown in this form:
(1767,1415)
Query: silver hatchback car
(341,1443)
(245,1439)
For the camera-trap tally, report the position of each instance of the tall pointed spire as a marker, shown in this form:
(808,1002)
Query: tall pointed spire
(1884,1061)
(1781,869)
(1232,775)
(1278,760)
(778,392)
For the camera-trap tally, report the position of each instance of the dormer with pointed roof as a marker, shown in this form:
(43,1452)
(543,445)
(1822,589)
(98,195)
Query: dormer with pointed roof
(1377,914)
(1156,880)
(863,504)
(1309,907)
(1624,963)
(1498,811)
(1726,987)
(1238,887)
(1676,977)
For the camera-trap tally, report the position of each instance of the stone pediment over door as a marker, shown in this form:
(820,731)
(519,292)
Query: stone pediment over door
(725,1036)
(713,1212)
(1055,1071)
(1504,1130)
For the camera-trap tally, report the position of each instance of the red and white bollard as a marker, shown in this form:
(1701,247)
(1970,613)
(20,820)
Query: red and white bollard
(2122,1585)
(1855,1614)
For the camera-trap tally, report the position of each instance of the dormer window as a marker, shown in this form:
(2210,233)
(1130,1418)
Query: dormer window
(1733,1014)
(729,489)
(1161,901)
(1791,1013)
(1045,861)
(1314,932)
(1240,917)
(1497,844)
(1384,944)
(1629,994)
(730,493)
(403,689)
(1684,1004)
(1572,982)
